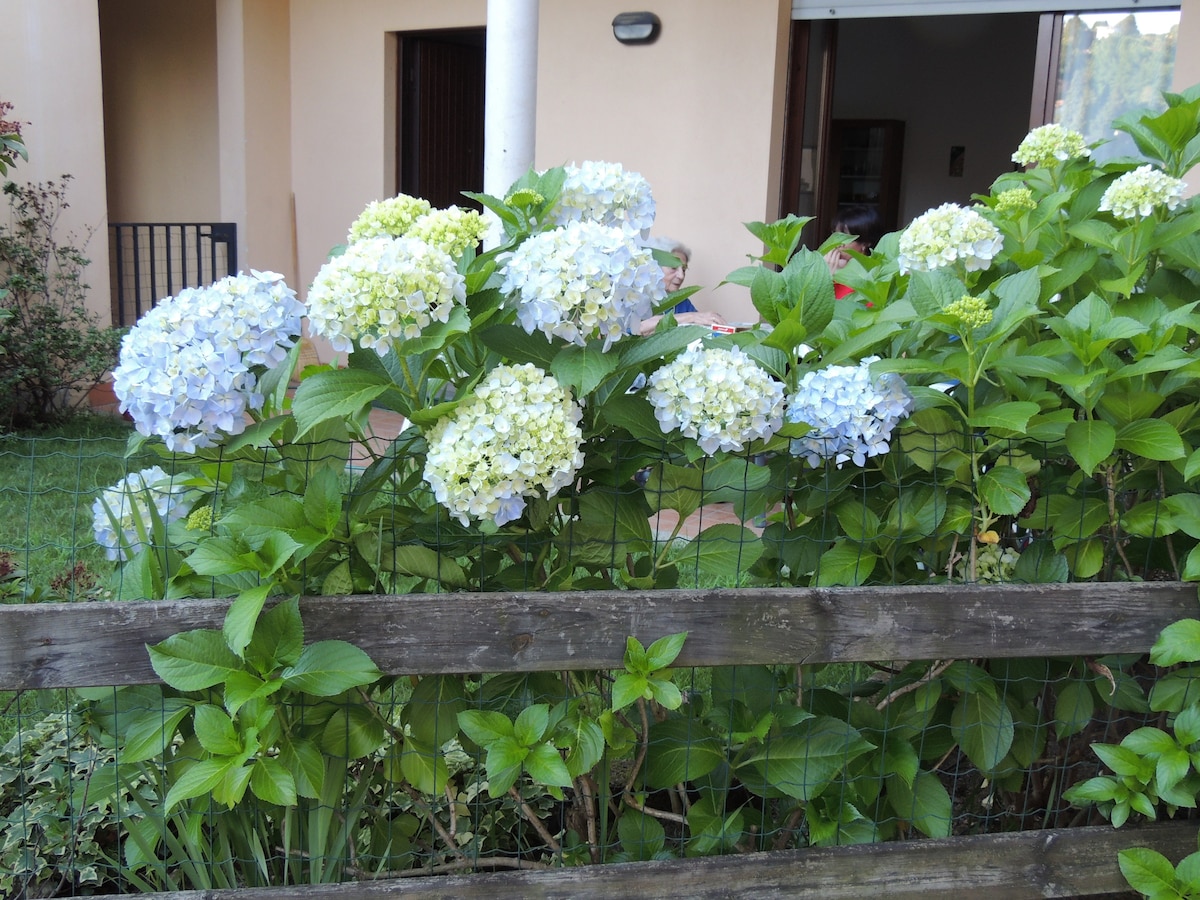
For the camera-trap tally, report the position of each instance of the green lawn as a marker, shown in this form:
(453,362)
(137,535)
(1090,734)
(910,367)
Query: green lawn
(48,481)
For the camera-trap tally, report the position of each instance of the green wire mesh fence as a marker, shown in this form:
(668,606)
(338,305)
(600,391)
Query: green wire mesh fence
(399,777)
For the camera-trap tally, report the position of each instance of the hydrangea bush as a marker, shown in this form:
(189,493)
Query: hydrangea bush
(1008,395)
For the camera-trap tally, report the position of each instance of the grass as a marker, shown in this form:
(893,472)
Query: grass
(48,482)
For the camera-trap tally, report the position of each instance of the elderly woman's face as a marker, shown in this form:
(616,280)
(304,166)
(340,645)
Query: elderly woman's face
(673,276)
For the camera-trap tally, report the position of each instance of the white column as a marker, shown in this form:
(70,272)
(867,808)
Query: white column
(508,118)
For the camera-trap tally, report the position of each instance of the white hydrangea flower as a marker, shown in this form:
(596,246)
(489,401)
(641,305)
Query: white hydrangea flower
(720,398)
(583,280)
(452,229)
(852,417)
(119,512)
(383,290)
(392,217)
(944,235)
(517,436)
(188,370)
(1138,193)
(605,193)
(1049,143)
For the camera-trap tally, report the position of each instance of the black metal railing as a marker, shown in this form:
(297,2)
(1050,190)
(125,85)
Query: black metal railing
(150,261)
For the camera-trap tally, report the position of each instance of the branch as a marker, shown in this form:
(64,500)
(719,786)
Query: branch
(909,688)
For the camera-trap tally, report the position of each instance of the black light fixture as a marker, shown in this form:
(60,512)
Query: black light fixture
(636,27)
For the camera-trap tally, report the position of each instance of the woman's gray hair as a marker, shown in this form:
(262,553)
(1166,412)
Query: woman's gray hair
(668,245)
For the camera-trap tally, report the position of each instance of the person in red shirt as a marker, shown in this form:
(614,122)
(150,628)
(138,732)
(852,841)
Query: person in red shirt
(864,223)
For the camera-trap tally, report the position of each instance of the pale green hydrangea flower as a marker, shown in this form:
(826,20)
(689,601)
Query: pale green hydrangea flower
(720,398)
(388,218)
(383,290)
(945,235)
(1048,144)
(1139,193)
(1015,201)
(452,229)
(516,436)
(971,311)
(993,565)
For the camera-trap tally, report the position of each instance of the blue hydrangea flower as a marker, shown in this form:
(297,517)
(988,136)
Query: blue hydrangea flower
(189,368)
(121,514)
(583,280)
(852,416)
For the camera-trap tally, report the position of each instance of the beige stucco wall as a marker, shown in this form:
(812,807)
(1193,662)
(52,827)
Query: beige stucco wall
(343,110)
(160,110)
(698,113)
(1187,64)
(50,71)
(254,48)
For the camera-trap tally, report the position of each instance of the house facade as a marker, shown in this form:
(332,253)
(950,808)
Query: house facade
(287,116)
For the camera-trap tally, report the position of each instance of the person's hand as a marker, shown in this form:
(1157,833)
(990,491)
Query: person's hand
(699,318)
(836,259)
(687,318)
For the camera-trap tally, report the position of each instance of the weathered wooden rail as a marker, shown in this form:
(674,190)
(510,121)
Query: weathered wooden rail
(77,645)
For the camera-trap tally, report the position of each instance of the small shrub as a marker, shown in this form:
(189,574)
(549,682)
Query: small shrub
(51,349)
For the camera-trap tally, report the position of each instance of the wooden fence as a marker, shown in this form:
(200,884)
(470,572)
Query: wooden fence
(92,644)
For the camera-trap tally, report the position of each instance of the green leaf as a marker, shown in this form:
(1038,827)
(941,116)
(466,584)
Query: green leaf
(327,668)
(242,616)
(926,803)
(1151,439)
(627,689)
(484,726)
(722,551)
(215,731)
(352,732)
(278,638)
(1008,416)
(194,660)
(681,750)
(503,764)
(1148,871)
(196,779)
(1074,706)
(323,500)
(425,768)
(303,759)
(546,766)
(216,556)
(1090,443)
(803,763)
(664,651)
(432,712)
(410,559)
(335,394)
(1004,489)
(642,836)
(846,563)
(1178,642)
(531,724)
(983,727)
(150,734)
(272,782)
(581,369)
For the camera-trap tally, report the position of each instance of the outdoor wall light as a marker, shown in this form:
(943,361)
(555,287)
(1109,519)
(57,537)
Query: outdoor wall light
(636,27)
